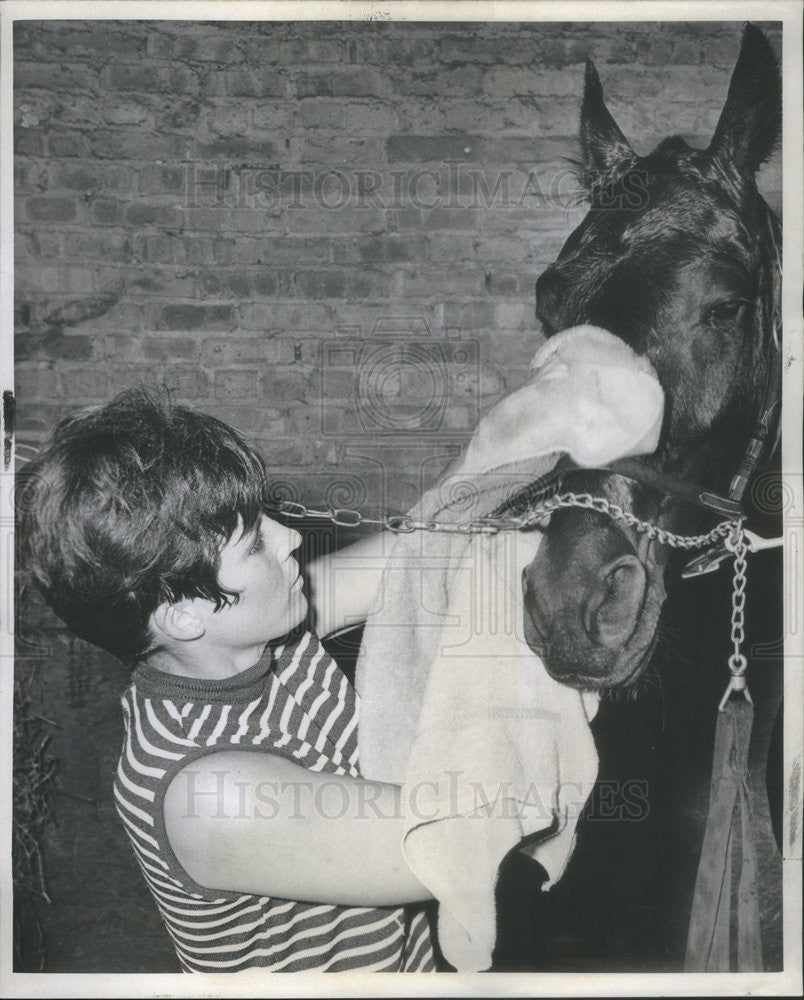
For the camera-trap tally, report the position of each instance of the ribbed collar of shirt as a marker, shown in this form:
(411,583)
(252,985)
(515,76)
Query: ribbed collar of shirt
(242,687)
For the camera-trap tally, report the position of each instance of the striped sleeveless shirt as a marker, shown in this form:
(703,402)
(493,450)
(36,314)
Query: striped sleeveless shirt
(296,703)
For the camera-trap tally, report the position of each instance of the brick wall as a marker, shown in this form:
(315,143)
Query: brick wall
(263,216)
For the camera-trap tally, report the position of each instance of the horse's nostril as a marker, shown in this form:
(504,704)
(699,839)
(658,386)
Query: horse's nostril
(547,327)
(613,603)
(549,301)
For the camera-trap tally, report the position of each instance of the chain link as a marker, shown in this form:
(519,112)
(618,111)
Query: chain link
(343,516)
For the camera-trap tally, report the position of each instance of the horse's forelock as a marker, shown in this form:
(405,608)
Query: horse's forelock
(689,208)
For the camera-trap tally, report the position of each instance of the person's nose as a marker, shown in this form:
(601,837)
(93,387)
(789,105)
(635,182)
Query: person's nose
(291,540)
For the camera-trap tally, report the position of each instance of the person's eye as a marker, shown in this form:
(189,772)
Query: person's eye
(258,545)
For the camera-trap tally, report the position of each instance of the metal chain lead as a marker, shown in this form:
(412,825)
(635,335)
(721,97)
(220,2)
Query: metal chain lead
(602,506)
(404,523)
(737,661)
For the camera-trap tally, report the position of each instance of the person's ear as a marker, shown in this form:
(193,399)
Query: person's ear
(180,622)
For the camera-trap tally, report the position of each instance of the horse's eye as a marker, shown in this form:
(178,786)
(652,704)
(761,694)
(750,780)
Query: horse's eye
(725,312)
(603,246)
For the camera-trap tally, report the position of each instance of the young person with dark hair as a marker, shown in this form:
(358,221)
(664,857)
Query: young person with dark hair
(238,779)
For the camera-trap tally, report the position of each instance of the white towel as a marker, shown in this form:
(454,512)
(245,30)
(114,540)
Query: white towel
(454,704)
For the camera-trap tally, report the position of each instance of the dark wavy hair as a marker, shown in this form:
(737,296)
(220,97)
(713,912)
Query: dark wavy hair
(126,507)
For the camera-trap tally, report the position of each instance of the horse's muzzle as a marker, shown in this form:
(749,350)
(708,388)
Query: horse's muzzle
(550,301)
(592,604)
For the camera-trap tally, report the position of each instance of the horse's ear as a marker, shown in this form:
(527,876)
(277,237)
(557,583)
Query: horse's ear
(750,124)
(602,143)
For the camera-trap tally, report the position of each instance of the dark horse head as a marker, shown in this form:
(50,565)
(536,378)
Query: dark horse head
(677,256)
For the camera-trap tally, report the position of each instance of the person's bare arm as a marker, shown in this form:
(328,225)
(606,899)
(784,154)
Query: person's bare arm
(344,586)
(254,822)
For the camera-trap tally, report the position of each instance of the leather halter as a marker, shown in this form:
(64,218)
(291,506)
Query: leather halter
(635,471)
(768,428)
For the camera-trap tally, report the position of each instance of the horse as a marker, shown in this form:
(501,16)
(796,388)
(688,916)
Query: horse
(678,255)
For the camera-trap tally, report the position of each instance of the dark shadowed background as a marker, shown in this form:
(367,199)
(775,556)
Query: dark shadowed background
(328,235)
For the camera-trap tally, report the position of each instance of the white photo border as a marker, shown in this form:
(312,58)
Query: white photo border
(789,12)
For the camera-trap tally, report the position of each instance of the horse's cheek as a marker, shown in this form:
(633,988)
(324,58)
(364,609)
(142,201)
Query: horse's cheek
(713,375)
